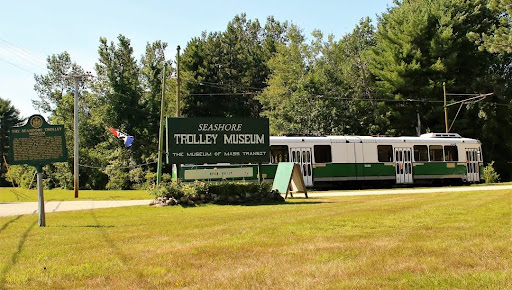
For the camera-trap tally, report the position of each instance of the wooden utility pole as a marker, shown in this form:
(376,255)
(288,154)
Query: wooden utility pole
(178,113)
(445,108)
(161,133)
(77,78)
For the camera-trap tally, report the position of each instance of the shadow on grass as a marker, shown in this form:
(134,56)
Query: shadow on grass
(20,196)
(287,202)
(15,255)
(284,203)
(9,222)
(116,249)
(85,226)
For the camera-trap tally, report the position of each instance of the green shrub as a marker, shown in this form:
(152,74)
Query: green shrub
(216,192)
(490,175)
(22,176)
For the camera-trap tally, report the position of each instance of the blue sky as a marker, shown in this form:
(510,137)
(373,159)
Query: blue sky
(30,31)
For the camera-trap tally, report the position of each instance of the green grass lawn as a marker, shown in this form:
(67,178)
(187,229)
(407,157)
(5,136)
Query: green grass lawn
(9,194)
(438,240)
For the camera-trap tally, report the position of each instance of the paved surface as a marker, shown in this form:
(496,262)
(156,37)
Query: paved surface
(20,208)
(408,190)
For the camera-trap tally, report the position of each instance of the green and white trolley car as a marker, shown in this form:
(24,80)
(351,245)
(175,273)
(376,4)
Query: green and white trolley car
(429,158)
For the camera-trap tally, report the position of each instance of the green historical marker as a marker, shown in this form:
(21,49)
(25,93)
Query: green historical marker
(37,143)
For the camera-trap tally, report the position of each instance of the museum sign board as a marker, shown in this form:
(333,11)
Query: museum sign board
(217,140)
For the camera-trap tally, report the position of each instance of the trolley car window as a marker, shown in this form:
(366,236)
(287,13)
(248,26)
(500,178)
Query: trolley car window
(323,153)
(278,153)
(451,153)
(436,153)
(309,162)
(385,153)
(420,153)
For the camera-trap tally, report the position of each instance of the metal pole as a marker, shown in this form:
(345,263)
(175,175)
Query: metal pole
(161,133)
(178,113)
(75,146)
(259,173)
(445,109)
(42,220)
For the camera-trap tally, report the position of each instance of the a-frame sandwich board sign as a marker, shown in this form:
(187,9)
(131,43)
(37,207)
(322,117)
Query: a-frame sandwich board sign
(288,179)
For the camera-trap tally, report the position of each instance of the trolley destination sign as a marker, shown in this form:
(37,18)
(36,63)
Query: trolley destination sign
(37,143)
(217,140)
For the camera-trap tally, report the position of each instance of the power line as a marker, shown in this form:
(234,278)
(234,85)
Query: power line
(22,54)
(24,51)
(31,72)
(222,85)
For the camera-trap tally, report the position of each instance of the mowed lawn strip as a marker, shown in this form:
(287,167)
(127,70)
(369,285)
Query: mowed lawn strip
(441,240)
(14,194)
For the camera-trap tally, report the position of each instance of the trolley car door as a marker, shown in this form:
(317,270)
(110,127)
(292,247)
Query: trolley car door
(303,157)
(403,165)
(472,166)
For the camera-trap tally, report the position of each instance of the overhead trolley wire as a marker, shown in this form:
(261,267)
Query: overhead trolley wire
(355,99)
(120,167)
(221,94)
(223,85)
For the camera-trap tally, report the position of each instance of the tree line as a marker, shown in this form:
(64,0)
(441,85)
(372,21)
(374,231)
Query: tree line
(381,78)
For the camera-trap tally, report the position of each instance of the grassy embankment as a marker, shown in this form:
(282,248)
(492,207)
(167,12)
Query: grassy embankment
(438,240)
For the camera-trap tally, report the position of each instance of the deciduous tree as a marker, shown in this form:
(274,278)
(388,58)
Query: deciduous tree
(9,117)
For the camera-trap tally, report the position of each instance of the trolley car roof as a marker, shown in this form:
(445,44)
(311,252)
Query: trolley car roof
(370,139)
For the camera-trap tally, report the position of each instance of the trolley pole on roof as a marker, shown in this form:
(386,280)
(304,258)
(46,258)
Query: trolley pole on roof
(473,98)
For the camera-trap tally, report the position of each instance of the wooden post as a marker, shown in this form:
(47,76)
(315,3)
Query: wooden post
(161,133)
(178,112)
(445,109)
